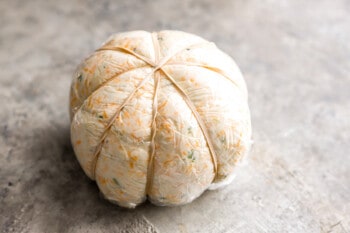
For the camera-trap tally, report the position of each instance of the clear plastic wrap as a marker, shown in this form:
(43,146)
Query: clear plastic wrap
(162,116)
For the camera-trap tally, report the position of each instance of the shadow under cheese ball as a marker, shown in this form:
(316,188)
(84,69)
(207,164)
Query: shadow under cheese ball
(160,115)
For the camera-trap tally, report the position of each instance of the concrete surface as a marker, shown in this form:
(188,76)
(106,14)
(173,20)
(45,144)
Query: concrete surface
(295,56)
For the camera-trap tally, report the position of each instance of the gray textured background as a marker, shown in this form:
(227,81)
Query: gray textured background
(295,56)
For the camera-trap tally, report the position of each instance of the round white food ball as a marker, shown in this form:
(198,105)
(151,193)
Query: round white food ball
(162,115)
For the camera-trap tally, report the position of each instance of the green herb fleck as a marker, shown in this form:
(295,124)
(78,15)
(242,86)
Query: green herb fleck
(119,133)
(190,155)
(101,117)
(189,130)
(223,139)
(80,78)
(116,182)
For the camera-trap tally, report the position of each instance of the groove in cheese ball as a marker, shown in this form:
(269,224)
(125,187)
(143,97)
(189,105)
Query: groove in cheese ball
(160,115)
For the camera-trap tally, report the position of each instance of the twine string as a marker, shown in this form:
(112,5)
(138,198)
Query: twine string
(112,120)
(157,65)
(150,168)
(201,123)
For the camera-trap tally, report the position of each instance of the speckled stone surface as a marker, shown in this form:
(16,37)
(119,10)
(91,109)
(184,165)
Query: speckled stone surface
(295,56)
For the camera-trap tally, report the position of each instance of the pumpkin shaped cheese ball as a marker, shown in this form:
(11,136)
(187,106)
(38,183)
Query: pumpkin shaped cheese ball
(162,115)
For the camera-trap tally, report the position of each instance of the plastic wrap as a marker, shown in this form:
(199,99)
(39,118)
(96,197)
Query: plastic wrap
(162,116)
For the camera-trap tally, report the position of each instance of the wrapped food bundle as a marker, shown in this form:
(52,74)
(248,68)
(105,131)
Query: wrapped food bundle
(160,115)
